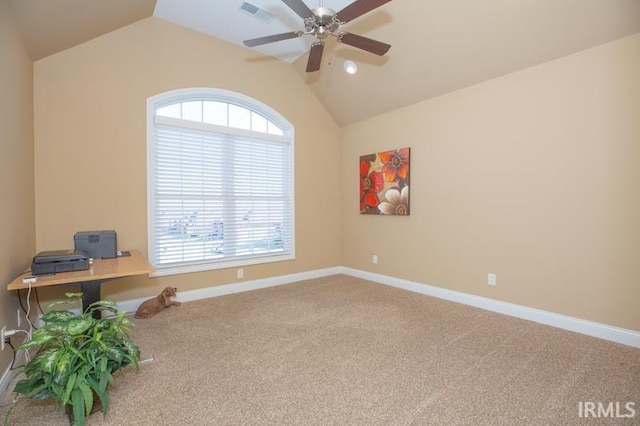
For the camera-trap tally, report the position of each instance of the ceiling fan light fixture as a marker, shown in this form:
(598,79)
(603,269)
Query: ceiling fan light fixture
(350,67)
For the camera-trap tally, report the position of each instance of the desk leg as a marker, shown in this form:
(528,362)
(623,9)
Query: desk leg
(90,294)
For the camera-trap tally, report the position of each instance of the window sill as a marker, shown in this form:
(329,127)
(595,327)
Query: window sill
(211,266)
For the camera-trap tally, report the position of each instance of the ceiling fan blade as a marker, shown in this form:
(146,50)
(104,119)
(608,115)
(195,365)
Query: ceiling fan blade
(358,8)
(315,57)
(299,7)
(364,43)
(270,39)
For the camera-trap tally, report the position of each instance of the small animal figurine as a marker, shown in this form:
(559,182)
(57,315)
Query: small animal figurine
(153,306)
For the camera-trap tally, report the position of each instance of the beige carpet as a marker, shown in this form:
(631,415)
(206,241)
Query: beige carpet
(341,350)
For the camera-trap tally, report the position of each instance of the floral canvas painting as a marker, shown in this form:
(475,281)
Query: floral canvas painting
(384,183)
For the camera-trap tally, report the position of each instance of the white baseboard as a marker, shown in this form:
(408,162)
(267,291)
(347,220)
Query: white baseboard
(590,328)
(131,306)
(7,381)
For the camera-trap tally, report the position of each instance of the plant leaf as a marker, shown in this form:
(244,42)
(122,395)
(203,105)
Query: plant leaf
(57,316)
(39,337)
(104,401)
(70,384)
(50,305)
(62,362)
(105,379)
(79,413)
(28,387)
(88,396)
(43,394)
(47,359)
(79,325)
(102,305)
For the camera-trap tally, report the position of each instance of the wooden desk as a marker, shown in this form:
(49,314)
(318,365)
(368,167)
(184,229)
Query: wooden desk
(91,279)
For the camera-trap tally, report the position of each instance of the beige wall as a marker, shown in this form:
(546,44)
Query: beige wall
(90,142)
(534,176)
(17,233)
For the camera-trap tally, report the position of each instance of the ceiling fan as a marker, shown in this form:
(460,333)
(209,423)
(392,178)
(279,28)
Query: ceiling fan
(322,22)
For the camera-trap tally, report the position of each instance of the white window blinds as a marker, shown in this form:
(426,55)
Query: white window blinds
(218,195)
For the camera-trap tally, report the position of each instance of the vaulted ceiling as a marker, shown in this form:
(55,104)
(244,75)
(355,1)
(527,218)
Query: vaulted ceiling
(438,46)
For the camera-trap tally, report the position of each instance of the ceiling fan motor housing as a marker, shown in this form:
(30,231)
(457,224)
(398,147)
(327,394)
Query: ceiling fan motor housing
(322,23)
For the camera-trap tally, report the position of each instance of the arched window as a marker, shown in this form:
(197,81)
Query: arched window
(220,181)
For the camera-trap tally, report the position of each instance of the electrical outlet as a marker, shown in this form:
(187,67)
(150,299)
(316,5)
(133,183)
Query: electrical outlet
(374,259)
(240,273)
(4,327)
(491,279)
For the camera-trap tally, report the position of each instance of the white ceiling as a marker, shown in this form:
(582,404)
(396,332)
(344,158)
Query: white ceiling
(226,20)
(438,46)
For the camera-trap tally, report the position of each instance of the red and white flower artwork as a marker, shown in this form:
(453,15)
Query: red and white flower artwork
(384,183)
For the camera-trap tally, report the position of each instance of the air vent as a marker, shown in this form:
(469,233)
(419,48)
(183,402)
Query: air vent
(254,10)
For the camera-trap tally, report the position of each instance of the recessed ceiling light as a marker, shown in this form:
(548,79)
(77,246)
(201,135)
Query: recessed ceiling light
(350,67)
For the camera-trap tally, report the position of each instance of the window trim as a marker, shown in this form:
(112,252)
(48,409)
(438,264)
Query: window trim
(214,94)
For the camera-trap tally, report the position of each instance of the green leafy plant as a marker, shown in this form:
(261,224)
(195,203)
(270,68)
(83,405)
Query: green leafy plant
(78,356)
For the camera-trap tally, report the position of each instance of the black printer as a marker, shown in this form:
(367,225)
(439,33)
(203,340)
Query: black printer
(50,262)
(97,244)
